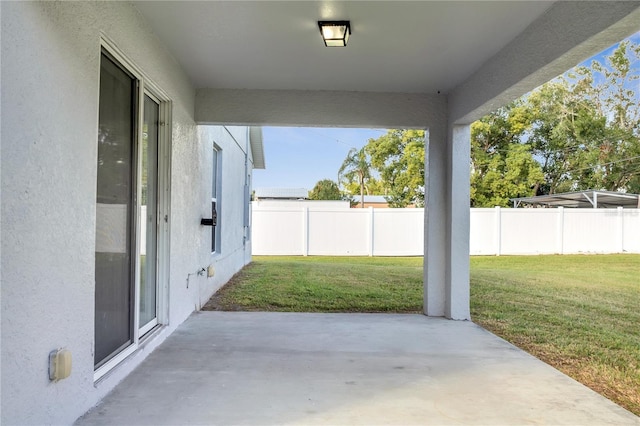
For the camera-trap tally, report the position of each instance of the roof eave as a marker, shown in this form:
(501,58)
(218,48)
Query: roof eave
(257,148)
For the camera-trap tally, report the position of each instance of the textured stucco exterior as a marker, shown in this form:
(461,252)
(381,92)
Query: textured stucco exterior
(50,86)
(317,108)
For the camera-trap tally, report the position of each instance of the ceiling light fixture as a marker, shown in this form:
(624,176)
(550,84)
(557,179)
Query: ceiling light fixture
(335,33)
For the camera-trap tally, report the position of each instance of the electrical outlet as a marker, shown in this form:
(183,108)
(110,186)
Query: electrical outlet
(59,364)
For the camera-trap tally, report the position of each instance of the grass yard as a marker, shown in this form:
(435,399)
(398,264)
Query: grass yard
(324,284)
(580,314)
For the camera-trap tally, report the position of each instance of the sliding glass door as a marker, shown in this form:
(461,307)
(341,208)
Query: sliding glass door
(114,271)
(126,253)
(148,216)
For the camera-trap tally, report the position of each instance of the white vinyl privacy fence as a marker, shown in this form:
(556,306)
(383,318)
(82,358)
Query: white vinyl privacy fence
(559,230)
(400,232)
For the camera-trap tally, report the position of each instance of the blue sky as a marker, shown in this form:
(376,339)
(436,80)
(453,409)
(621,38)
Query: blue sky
(298,157)
(608,51)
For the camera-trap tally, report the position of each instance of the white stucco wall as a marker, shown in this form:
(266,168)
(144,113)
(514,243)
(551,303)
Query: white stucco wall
(318,108)
(233,253)
(50,84)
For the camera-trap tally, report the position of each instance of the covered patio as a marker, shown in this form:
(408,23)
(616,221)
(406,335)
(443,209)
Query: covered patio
(255,368)
(436,66)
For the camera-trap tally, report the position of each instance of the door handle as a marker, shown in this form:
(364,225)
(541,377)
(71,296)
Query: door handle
(214,217)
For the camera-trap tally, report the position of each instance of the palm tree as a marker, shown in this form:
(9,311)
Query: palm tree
(356,166)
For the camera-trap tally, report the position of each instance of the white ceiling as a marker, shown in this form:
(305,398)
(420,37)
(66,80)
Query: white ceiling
(395,46)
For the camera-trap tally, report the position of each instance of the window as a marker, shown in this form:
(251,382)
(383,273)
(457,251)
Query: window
(247,209)
(216,191)
(130,254)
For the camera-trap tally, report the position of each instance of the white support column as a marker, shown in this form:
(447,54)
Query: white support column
(447,217)
(435,215)
(458,182)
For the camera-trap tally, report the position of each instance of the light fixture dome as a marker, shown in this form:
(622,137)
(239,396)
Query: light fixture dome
(335,33)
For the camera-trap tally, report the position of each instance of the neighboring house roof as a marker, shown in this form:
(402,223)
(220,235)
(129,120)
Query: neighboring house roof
(282,193)
(582,199)
(373,199)
(316,205)
(257,149)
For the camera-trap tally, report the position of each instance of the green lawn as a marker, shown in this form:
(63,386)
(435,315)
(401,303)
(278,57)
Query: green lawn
(580,314)
(324,284)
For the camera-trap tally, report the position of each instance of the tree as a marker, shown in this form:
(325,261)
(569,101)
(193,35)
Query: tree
(582,129)
(565,122)
(502,167)
(587,125)
(356,168)
(615,149)
(372,186)
(399,158)
(325,189)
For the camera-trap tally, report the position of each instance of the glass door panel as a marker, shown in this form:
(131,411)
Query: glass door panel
(148,215)
(114,206)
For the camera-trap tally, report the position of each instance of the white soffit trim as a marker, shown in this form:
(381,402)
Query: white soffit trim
(257,148)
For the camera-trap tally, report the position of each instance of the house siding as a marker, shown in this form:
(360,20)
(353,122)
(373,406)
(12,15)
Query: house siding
(50,86)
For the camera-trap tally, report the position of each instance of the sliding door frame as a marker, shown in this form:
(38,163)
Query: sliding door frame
(145,87)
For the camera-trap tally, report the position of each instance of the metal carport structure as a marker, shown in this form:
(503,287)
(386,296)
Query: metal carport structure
(582,199)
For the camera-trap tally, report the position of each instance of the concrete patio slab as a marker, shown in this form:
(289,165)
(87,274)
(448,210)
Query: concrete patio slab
(248,368)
